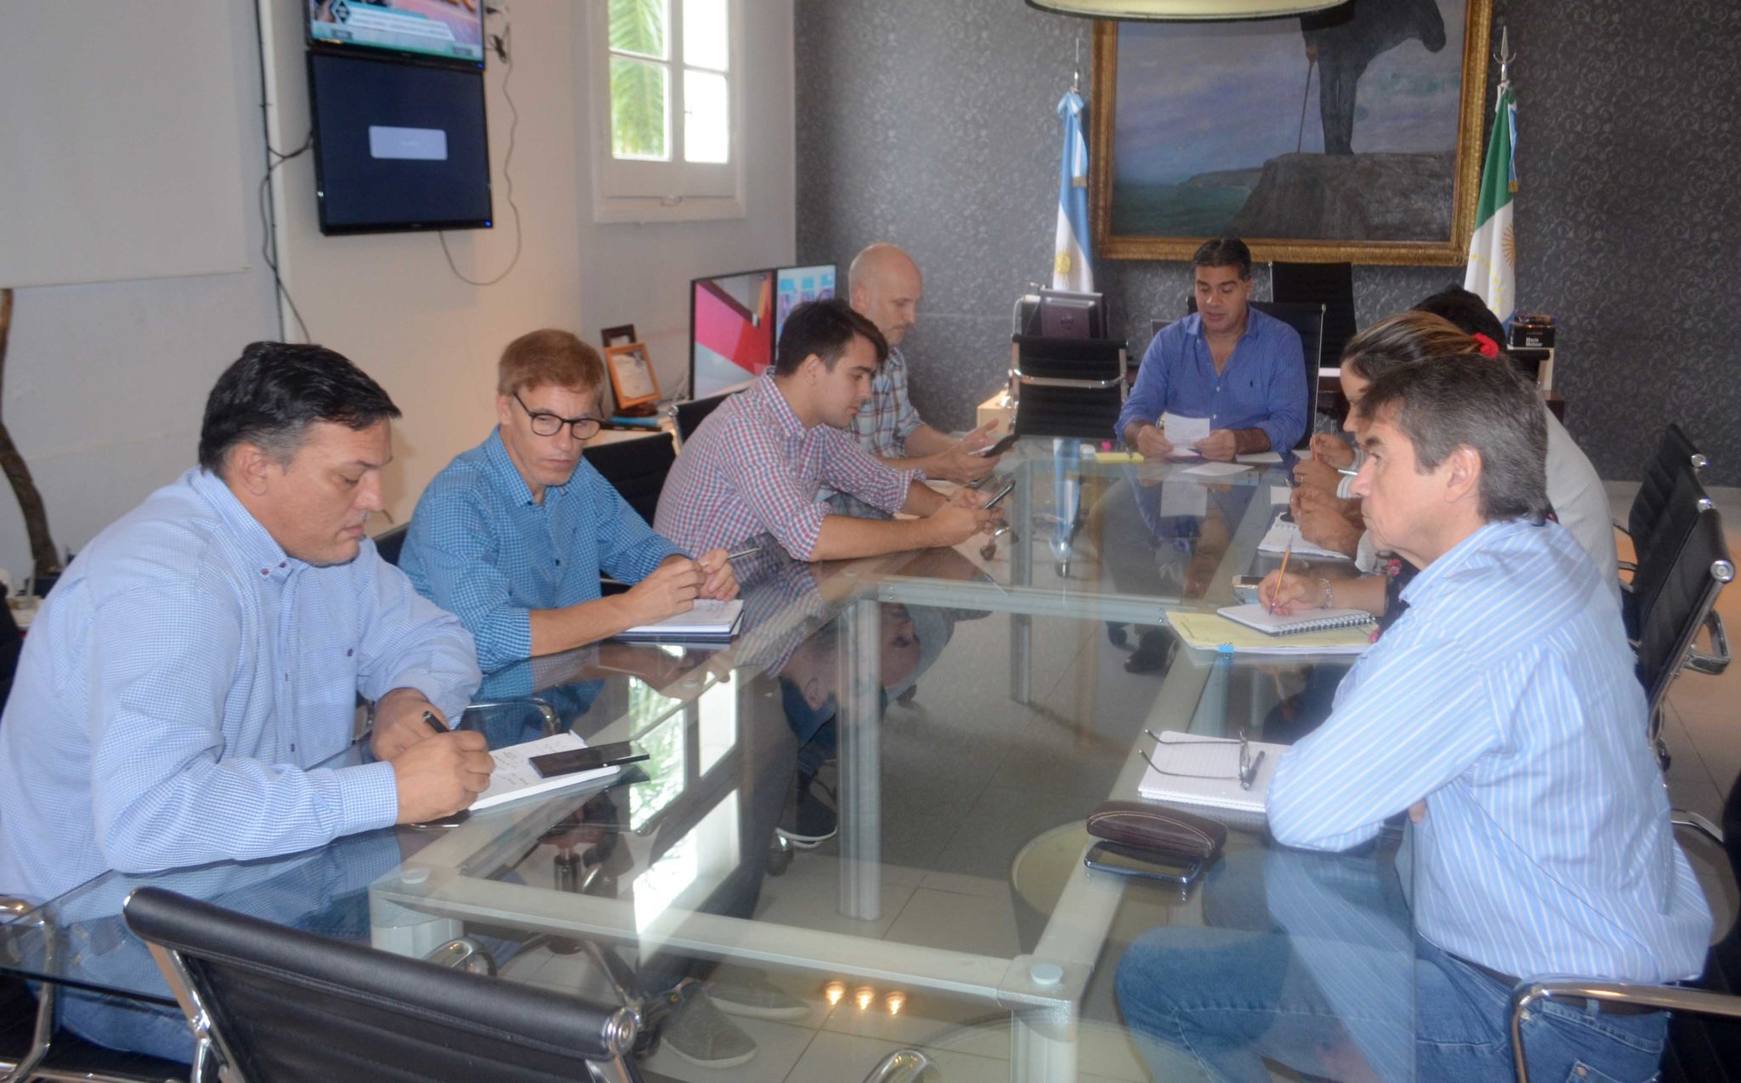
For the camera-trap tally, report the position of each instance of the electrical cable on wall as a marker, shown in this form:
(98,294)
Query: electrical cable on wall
(500,43)
(268,242)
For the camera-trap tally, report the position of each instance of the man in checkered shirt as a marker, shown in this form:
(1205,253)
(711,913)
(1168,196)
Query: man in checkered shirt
(885,286)
(756,464)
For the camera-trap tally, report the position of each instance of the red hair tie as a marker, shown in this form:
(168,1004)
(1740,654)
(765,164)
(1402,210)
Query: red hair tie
(1487,346)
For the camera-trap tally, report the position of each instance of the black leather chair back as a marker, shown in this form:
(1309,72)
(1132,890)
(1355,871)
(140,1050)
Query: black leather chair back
(1068,386)
(1308,321)
(1661,549)
(637,468)
(288,1005)
(691,414)
(390,543)
(1683,596)
(1675,455)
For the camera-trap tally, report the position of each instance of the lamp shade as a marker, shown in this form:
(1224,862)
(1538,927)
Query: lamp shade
(1182,9)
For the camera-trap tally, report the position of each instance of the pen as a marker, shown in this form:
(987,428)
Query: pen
(433,722)
(1346,471)
(744,552)
(1281,576)
(1250,775)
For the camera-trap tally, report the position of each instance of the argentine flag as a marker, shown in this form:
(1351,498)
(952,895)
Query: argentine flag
(1070,267)
(1492,271)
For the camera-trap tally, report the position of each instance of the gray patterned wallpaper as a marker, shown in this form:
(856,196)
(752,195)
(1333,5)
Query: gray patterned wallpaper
(933,125)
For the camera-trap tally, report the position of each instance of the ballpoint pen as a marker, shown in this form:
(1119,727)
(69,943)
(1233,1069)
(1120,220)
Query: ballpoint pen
(744,552)
(1249,775)
(1347,471)
(433,722)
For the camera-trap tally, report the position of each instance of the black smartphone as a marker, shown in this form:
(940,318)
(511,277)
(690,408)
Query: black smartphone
(586,759)
(1001,493)
(1125,861)
(998,448)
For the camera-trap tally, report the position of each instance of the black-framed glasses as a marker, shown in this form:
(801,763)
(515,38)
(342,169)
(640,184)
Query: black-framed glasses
(1246,774)
(545,423)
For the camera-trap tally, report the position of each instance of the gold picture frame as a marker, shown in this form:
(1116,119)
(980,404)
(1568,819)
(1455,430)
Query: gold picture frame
(634,384)
(1446,250)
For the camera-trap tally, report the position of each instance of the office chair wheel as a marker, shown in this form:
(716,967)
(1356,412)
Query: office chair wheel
(1116,634)
(780,855)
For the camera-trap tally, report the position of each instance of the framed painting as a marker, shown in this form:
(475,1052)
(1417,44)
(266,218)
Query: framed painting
(1351,135)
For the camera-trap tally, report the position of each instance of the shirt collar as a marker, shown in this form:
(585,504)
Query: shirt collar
(776,404)
(261,553)
(1253,320)
(1464,552)
(506,475)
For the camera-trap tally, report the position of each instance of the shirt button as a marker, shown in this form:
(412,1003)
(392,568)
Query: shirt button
(559,562)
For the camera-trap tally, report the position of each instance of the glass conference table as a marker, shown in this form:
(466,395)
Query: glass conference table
(983,702)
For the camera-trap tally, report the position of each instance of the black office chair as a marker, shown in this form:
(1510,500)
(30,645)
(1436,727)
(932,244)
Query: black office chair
(1068,386)
(691,414)
(390,543)
(1327,284)
(637,468)
(267,1002)
(1307,320)
(1683,604)
(1661,549)
(1675,455)
(1704,1033)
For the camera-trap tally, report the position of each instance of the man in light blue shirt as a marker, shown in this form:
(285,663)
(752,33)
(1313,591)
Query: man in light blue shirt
(1242,369)
(1502,713)
(206,651)
(512,535)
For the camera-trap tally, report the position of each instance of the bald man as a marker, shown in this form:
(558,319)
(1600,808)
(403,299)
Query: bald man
(885,287)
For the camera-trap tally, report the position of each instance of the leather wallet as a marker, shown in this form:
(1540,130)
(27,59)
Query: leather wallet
(1158,829)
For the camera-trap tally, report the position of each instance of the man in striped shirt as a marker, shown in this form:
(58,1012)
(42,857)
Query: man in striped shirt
(755,466)
(1502,713)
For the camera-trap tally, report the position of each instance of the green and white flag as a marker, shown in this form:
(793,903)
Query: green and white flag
(1492,271)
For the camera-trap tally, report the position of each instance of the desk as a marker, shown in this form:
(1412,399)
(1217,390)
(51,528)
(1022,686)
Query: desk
(985,706)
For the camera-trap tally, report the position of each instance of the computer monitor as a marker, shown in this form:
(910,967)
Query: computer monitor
(435,29)
(795,285)
(1061,314)
(731,330)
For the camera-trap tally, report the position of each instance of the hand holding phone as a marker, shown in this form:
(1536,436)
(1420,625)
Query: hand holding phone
(998,448)
(1001,493)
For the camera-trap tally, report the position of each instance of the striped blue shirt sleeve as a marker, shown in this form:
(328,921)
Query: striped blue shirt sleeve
(163,792)
(1413,724)
(459,558)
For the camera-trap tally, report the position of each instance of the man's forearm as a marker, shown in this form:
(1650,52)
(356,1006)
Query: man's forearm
(1250,441)
(922,499)
(845,536)
(925,441)
(1131,429)
(555,630)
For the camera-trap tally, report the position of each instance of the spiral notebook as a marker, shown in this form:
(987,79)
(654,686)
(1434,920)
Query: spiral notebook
(1214,632)
(1283,624)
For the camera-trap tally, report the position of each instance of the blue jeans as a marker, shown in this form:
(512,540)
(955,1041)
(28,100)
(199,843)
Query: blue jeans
(1230,999)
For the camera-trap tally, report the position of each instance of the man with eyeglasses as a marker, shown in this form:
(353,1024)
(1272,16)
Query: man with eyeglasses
(512,535)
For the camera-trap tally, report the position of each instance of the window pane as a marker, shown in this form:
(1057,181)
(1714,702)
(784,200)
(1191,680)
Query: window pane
(707,117)
(705,41)
(638,104)
(638,26)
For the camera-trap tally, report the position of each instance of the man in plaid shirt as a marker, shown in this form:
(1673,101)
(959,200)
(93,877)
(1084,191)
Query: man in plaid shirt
(885,286)
(756,464)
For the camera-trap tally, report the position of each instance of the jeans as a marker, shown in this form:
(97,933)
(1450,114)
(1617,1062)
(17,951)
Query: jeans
(1230,999)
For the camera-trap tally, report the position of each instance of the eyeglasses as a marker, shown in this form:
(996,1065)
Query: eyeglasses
(1247,773)
(545,423)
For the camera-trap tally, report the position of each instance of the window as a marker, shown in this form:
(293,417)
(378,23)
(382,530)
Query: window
(668,103)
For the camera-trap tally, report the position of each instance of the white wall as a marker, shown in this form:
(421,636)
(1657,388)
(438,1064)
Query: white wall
(105,383)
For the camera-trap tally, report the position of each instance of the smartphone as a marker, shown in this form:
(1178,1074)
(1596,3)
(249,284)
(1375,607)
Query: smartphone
(1125,861)
(1001,493)
(998,448)
(586,759)
(1245,587)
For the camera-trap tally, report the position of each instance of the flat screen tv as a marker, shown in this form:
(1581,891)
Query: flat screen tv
(731,329)
(795,285)
(451,30)
(398,145)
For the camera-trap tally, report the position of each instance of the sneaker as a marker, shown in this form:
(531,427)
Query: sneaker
(749,993)
(702,1035)
(810,818)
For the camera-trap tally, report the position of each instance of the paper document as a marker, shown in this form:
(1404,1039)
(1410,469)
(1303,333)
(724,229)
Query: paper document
(1183,433)
(1260,457)
(1284,535)
(1182,498)
(1306,620)
(710,619)
(1187,755)
(1213,632)
(1281,494)
(514,776)
(1214,470)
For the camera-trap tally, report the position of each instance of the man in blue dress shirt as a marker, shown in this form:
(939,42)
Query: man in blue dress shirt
(1501,712)
(512,535)
(1242,369)
(205,652)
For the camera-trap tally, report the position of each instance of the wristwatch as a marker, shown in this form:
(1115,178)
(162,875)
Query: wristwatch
(1327,599)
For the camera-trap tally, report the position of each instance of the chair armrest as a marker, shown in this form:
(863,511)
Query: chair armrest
(1698,822)
(1627,566)
(1672,998)
(12,908)
(464,953)
(1718,660)
(552,722)
(901,1066)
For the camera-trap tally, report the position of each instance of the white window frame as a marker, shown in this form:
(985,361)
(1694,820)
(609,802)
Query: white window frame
(675,190)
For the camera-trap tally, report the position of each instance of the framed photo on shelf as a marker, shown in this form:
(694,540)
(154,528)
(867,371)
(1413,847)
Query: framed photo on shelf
(633,383)
(620,335)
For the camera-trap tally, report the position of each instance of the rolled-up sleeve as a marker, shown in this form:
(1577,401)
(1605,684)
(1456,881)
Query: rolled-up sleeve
(848,468)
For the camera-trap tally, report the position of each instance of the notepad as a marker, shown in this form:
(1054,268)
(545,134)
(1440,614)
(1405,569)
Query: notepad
(1262,457)
(710,619)
(514,776)
(1219,759)
(1215,470)
(1213,632)
(1282,624)
(1284,536)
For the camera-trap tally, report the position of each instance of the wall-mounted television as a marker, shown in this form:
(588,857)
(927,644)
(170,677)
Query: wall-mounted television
(398,145)
(731,330)
(451,30)
(795,285)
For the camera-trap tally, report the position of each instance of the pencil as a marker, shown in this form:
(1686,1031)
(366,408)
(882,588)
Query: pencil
(1282,575)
